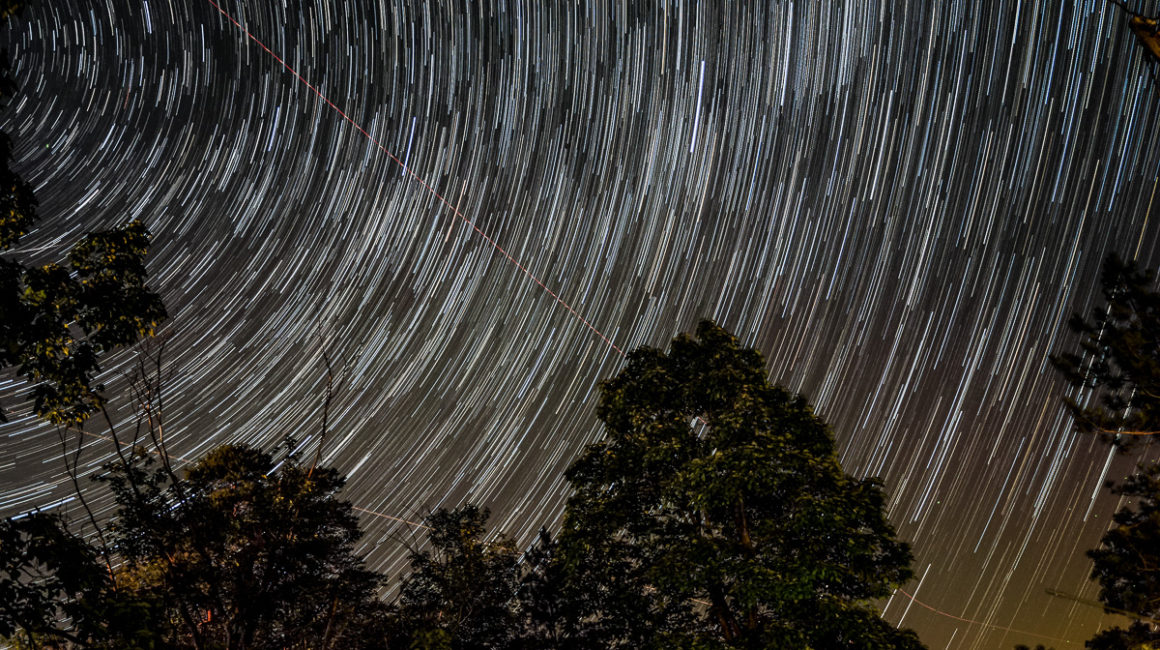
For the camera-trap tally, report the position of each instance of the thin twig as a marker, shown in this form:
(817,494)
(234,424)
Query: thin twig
(72,474)
(325,413)
(1123,6)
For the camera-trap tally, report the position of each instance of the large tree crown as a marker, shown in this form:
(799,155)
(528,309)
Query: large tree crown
(712,485)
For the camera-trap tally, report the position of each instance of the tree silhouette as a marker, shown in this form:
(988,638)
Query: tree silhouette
(1116,372)
(1116,377)
(246,552)
(714,513)
(460,593)
(1127,564)
(54,592)
(57,321)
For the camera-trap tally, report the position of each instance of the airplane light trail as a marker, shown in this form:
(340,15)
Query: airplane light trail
(892,205)
(423,182)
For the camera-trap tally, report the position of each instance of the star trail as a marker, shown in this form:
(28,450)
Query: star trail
(472,208)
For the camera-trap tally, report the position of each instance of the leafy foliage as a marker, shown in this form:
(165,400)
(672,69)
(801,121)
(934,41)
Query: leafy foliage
(714,513)
(1118,370)
(17,202)
(54,591)
(546,600)
(54,321)
(1127,563)
(17,215)
(740,531)
(10,8)
(1137,636)
(44,572)
(1119,358)
(245,553)
(459,594)
(57,322)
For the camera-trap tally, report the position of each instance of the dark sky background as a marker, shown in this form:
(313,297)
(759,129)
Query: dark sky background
(899,203)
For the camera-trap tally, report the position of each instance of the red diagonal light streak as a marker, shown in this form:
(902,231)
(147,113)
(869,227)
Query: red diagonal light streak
(419,179)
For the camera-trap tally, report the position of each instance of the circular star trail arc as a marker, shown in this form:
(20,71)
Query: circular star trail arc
(898,203)
(422,182)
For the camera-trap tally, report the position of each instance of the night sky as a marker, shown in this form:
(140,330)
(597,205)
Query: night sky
(899,203)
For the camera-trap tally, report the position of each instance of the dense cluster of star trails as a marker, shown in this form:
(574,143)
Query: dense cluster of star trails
(469,207)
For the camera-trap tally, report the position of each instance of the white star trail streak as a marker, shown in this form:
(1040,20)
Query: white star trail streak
(898,203)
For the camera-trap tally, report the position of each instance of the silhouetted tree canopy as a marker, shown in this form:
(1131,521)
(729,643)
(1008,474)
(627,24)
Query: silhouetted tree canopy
(1127,564)
(1116,372)
(56,321)
(549,605)
(714,513)
(1116,377)
(245,552)
(460,592)
(55,591)
(58,589)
